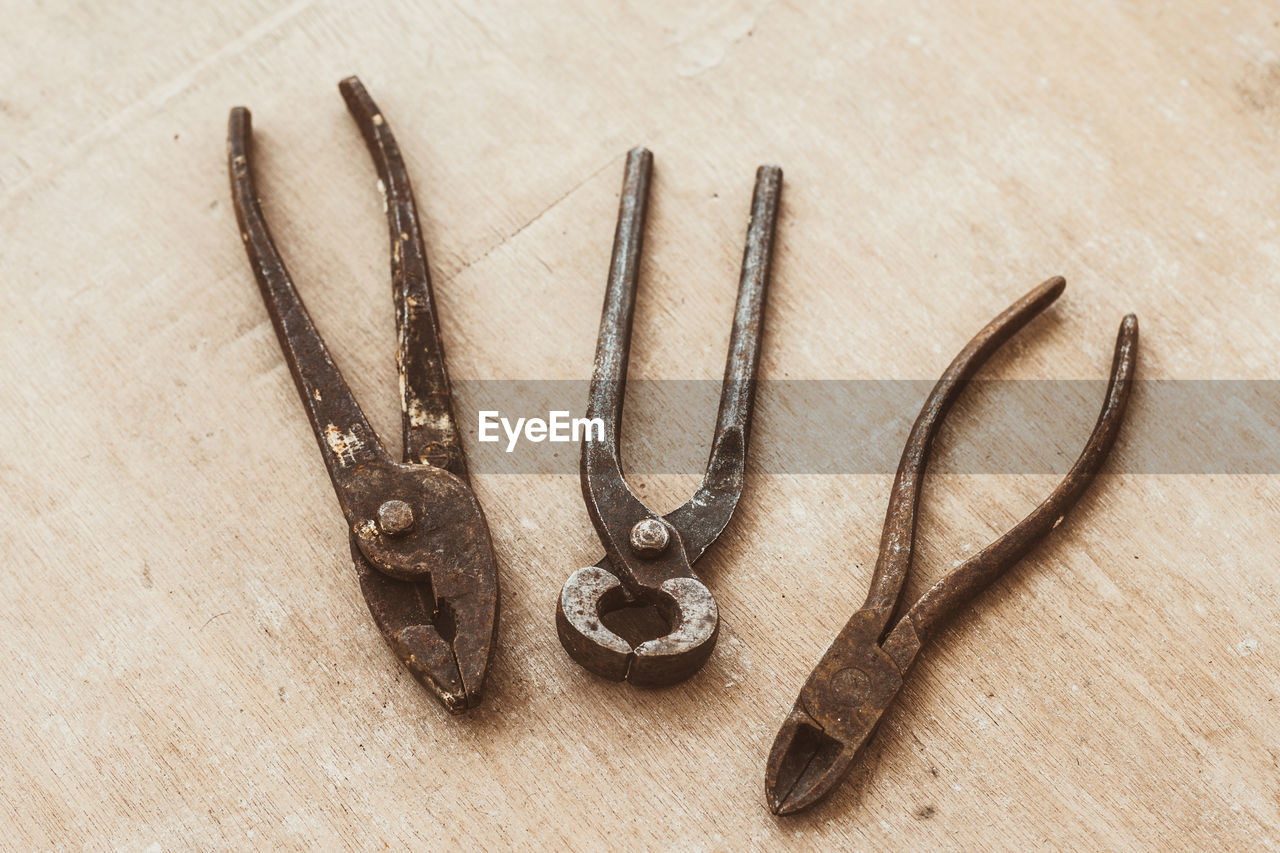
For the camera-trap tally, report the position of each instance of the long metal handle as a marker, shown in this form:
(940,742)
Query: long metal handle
(738,391)
(977,573)
(609,378)
(601,460)
(897,542)
(347,441)
(430,429)
(706,514)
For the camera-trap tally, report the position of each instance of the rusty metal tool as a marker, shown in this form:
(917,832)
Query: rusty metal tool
(649,558)
(847,694)
(419,539)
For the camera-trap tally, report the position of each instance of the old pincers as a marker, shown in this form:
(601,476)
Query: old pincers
(649,558)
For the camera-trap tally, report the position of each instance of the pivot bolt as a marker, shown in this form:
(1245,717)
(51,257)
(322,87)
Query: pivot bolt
(395,518)
(649,537)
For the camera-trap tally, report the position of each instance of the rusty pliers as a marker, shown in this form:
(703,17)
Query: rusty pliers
(847,694)
(418,537)
(649,558)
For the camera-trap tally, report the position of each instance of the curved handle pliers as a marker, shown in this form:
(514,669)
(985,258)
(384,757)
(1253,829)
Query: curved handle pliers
(847,694)
(649,558)
(418,537)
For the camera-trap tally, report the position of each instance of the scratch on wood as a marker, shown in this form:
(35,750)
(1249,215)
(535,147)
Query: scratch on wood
(211,618)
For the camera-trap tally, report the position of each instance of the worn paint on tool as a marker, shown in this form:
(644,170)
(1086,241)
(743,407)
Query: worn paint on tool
(343,444)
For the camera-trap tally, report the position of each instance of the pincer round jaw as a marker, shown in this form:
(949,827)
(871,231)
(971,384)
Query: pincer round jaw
(684,602)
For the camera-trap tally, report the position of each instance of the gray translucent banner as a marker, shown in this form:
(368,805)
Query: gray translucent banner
(859,426)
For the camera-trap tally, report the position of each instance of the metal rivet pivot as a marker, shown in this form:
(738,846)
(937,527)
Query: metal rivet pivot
(649,537)
(395,518)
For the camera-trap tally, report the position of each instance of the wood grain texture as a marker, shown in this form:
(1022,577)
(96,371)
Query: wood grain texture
(188,661)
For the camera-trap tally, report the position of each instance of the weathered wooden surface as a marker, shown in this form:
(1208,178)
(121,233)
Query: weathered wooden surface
(188,661)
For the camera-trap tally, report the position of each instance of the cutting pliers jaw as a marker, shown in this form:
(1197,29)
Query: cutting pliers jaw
(837,713)
(805,763)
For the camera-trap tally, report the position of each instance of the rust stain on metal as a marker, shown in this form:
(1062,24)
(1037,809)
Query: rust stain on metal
(847,694)
(649,559)
(419,539)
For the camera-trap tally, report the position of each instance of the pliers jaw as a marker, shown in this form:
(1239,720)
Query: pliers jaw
(837,713)
(443,635)
(806,763)
(430,581)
